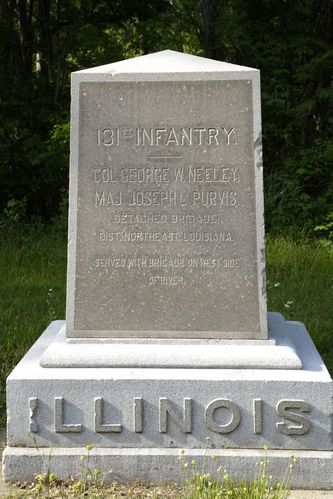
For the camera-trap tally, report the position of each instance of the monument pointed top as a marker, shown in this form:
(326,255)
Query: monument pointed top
(167,61)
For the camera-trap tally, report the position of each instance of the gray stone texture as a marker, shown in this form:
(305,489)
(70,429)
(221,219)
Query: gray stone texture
(200,398)
(166,222)
(278,352)
(313,470)
(140,420)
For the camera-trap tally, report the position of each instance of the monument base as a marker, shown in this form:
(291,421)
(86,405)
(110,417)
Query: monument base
(311,470)
(278,352)
(138,419)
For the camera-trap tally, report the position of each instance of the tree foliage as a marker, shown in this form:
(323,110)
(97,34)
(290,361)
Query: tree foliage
(43,41)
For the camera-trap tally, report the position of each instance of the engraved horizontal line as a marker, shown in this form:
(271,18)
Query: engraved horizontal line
(165,156)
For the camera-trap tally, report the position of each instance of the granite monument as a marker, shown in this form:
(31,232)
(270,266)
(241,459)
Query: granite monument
(167,343)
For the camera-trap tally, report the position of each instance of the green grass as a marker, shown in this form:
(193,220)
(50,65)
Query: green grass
(33,276)
(32,294)
(300,286)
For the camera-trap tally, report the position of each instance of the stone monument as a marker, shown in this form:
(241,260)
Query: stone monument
(166,344)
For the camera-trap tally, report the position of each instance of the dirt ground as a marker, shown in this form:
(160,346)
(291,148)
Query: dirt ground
(5,490)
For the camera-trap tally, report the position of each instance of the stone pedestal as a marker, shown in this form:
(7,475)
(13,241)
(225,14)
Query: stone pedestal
(139,419)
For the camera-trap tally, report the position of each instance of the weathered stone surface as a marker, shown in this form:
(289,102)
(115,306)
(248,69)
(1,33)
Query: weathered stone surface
(314,469)
(166,223)
(276,353)
(235,408)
